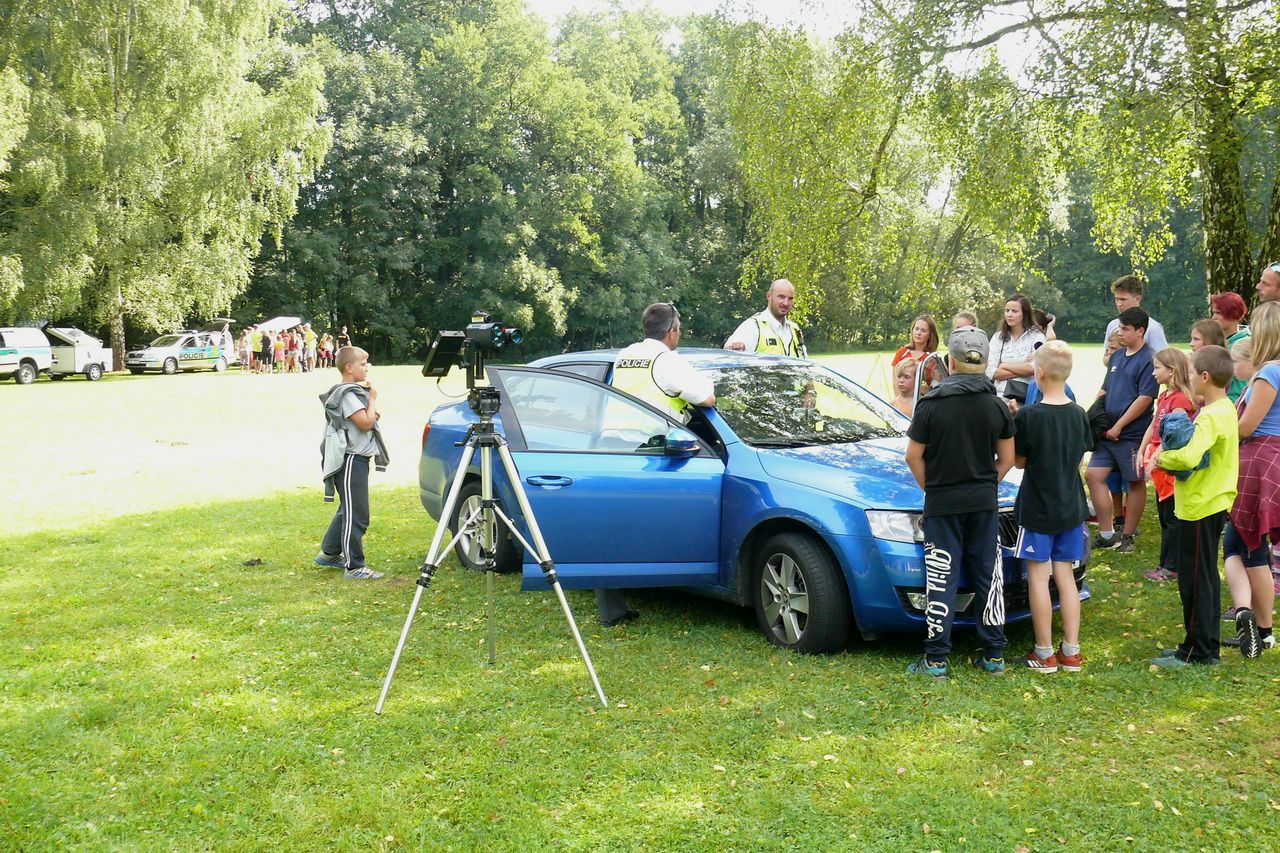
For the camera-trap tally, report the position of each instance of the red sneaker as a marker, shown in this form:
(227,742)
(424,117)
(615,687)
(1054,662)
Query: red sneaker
(1038,664)
(1071,663)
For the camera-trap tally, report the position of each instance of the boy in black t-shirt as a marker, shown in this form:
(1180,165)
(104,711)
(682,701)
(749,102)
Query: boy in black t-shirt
(960,447)
(1052,437)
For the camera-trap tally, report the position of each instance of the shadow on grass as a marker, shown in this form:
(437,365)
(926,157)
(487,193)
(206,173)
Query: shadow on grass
(163,693)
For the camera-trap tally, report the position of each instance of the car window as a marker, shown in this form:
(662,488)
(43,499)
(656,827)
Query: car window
(166,340)
(563,413)
(800,404)
(596,370)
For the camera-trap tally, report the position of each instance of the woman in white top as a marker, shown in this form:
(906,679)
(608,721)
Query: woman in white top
(1013,343)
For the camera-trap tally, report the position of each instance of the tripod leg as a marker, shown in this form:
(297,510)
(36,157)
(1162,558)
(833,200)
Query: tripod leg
(488,523)
(429,565)
(544,560)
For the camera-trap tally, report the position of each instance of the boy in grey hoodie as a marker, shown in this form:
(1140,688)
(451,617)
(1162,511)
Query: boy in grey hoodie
(351,438)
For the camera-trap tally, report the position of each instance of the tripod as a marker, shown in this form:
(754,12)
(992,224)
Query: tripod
(485,401)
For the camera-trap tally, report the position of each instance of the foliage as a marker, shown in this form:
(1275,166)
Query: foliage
(162,139)
(1153,101)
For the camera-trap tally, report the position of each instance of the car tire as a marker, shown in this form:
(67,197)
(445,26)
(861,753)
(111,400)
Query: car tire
(93,372)
(26,374)
(800,598)
(508,554)
(170,366)
(220,365)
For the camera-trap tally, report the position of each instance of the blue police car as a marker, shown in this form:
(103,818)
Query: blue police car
(791,496)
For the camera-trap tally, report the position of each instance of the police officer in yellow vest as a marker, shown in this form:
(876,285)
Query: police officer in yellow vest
(652,371)
(770,331)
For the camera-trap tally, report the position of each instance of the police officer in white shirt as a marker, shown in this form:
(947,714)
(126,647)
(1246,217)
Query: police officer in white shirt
(652,371)
(770,331)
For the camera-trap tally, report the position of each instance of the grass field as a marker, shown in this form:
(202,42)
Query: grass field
(163,690)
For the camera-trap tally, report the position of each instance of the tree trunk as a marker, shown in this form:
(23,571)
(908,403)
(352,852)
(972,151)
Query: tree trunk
(117,321)
(1226,228)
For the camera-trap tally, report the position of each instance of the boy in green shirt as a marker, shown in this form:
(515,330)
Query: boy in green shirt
(1201,503)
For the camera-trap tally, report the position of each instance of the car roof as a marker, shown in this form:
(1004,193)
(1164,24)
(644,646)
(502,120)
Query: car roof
(706,357)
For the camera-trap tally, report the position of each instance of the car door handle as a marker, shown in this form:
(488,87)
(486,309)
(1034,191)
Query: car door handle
(549,481)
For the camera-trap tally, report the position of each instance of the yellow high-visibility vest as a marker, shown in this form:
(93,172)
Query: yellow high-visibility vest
(770,341)
(635,376)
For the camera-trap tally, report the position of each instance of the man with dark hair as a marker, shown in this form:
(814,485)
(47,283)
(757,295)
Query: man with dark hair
(959,447)
(652,371)
(1127,290)
(1130,391)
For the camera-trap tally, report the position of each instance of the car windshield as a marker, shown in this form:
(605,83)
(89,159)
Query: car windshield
(792,405)
(166,340)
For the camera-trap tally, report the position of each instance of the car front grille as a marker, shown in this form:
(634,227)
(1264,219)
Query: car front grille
(1015,596)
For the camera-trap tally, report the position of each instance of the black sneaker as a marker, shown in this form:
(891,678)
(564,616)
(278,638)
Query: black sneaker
(1125,545)
(1101,541)
(1247,632)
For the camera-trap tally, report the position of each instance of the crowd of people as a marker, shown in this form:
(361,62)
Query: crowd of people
(296,350)
(1203,428)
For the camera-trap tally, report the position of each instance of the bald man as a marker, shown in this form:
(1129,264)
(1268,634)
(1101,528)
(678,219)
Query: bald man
(1269,284)
(770,331)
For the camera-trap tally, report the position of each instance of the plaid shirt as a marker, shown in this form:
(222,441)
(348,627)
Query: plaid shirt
(1257,508)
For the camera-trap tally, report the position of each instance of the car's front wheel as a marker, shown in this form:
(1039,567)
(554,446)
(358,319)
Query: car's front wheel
(800,598)
(170,366)
(479,534)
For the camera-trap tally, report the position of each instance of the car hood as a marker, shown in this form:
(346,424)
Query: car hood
(871,473)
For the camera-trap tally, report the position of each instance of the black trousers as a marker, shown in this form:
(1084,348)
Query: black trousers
(1168,533)
(1199,586)
(965,540)
(345,535)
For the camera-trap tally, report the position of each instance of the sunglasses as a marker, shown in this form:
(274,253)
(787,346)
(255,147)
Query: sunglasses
(675,316)
(1274,266)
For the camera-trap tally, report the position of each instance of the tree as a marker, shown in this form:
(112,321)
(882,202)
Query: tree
(1156,99)
(163,138)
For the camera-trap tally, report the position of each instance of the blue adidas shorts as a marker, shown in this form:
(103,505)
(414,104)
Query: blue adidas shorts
(1064,547)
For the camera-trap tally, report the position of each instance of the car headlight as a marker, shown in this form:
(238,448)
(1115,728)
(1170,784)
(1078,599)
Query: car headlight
(895,526)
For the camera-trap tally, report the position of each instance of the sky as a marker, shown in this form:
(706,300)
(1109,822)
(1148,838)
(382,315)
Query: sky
(821,17)
(815,16)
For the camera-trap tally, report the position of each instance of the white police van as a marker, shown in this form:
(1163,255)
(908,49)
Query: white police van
(210,348)
(76,352)
(24,352)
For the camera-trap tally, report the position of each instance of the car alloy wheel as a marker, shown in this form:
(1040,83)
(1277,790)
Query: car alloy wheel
(800,597)
(94,372)
(507,558)
(170,366)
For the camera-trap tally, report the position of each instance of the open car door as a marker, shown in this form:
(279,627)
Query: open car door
(624,496)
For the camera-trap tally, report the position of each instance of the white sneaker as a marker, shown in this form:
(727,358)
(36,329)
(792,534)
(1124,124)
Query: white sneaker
(364,573)
(1269,642)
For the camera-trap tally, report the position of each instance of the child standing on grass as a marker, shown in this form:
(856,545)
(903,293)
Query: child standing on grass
(1173,371)
(351,438)
(1201,503)
(1050,439)
(959,447)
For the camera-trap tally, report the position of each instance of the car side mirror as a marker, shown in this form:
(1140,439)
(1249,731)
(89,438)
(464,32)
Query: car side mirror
(681,444)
